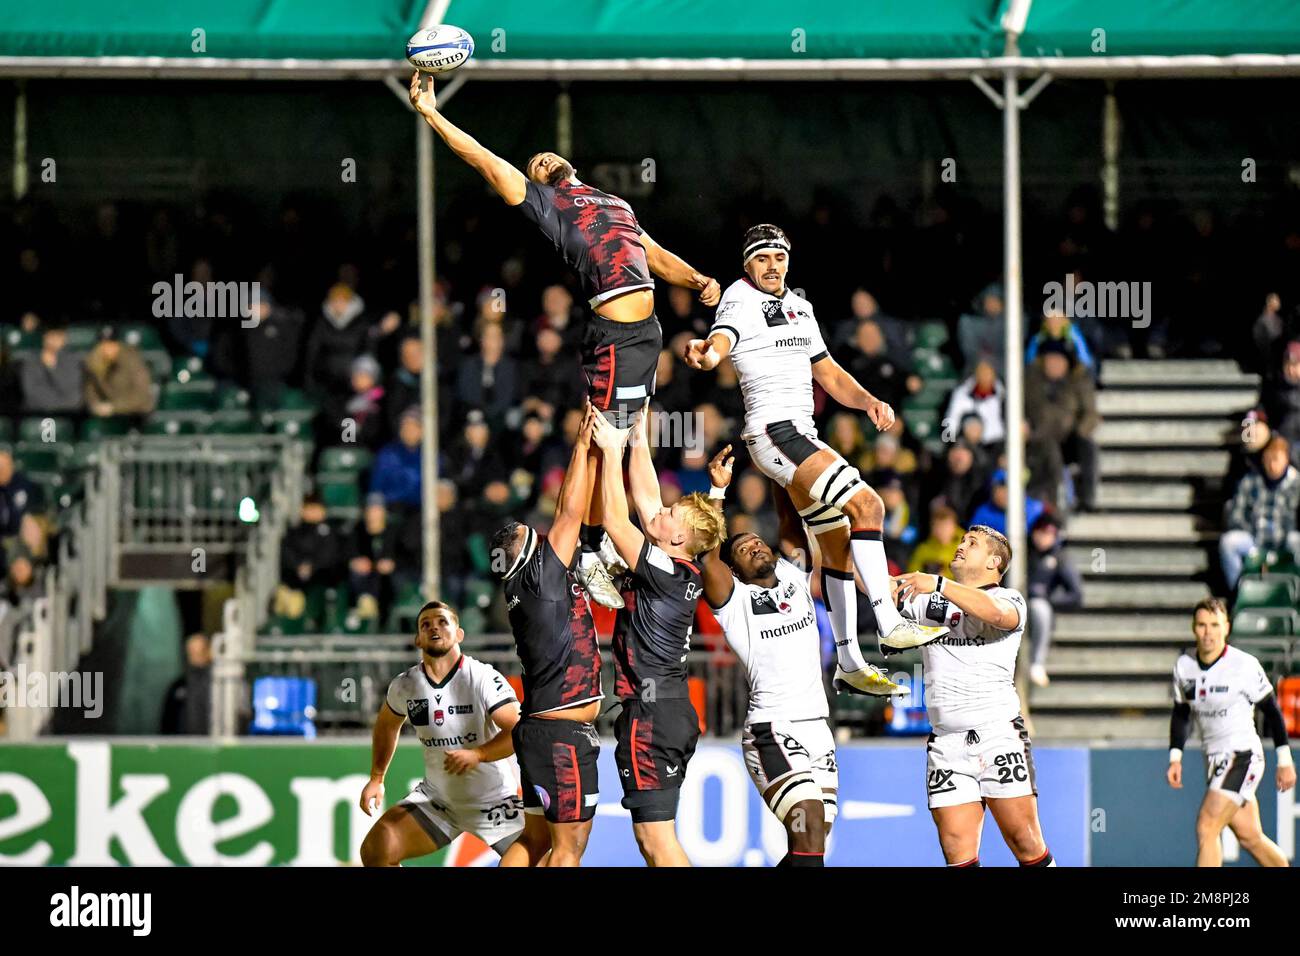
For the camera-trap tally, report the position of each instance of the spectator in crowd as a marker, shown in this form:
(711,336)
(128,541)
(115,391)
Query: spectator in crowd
(31,542)
(899,535)
(868,360)
(1247,454)
(117,381)
(52,379)
(375,551)
(1057,327)
(489,380)
(1262,511)
(1061,407)
(263,358)
(993,513)
(962,480)
(1267,333)
(21,582)
(935,553)
(18,496)
(396,471)
(726,394)
(403,388)
(365,407)
(864,307)
(981,333)
(887,455)
(845,436)
(187,708)
(474,461)
(560,315)
(981,394)
(491,311)
(683,314)
(453,534)
(672,385)
(553,380)
(187,333)
(341,333)
(311,554)
(1054,587)
(1282,394)
(753,500)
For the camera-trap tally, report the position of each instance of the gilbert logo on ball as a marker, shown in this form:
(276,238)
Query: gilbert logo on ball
(439,50)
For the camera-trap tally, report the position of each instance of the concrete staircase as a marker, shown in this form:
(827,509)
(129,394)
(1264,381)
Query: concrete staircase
(1147,554)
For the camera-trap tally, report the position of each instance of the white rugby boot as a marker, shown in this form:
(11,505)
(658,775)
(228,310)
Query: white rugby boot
(592,575)
(908,634)
(869,682)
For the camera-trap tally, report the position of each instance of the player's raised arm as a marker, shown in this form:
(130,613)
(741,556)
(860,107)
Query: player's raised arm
(383,744)
(643,480)
(673,269)
(618,525)
(719,583)
(846,390)
(567,527)
(509,182)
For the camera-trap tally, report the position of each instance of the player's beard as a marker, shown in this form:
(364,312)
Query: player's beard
(765,569)
(559,174)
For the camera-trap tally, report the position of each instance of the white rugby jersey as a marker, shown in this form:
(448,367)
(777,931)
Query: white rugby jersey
(457,715)
(774,633)
(1223,698)
(970,672)
(774,342)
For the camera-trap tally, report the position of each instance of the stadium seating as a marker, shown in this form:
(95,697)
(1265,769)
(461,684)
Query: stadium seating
(1266,622)
(1268,591)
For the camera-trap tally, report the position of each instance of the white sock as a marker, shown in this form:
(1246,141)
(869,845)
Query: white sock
(841,599)
(869,558)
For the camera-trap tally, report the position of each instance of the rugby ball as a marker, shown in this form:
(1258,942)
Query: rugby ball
(439,50)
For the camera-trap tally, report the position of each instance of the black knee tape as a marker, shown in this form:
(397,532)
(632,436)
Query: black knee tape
(652,806)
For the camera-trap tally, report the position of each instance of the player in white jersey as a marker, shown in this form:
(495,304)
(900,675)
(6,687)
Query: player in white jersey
(463,712)
(979,752)
(764,603)
(771,335)
(1221,687)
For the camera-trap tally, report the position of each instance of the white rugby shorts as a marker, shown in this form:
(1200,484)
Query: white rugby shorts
(994,760)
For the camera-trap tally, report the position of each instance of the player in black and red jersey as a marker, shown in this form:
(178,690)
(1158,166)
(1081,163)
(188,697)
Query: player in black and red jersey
(657,727)
(598,236)
(555,740)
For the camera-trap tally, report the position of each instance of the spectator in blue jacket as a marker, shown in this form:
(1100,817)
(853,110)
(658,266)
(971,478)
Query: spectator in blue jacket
(1056,327)
(396,472)
(993,512)
(18,495)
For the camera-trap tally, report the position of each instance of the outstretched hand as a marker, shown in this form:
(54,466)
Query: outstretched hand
(699,354)
(720,468)
(424,101)
(606,436)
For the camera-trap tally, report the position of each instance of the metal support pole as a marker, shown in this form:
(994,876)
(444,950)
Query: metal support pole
(1014,298)
(1110,159)
(20,140)
(429,375)
(564,123)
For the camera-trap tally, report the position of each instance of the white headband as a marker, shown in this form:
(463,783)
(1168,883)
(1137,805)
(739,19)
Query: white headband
(526,552)
(765,245)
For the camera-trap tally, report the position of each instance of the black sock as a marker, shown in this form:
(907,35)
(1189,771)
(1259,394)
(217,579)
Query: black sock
(591,535)
(1044,860)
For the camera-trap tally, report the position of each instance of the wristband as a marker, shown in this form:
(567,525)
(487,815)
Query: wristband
(938,584)
(1284,758)
(717,493)
(1175,755)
